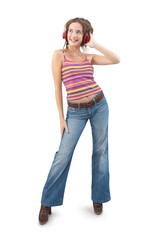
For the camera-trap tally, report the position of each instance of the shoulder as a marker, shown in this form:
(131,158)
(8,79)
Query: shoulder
(58,55)
(58,52)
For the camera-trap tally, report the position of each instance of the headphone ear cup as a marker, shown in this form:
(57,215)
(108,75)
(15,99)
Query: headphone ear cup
(86,38)
(65,35)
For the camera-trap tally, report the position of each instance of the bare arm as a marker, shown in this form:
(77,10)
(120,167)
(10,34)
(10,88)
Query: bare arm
(108,58)
(56,70)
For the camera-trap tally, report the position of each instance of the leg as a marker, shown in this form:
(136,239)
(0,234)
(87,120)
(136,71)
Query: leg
(100,162)
(53,191)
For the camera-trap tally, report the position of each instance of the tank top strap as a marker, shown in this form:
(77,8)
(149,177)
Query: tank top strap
(63,54)
(85,57)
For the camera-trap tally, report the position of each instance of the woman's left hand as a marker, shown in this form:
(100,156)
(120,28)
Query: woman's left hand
(91,41)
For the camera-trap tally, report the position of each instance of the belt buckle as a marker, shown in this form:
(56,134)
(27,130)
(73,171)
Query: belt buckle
(90,104)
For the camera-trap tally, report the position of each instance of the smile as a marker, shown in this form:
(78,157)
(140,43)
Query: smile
(73,40)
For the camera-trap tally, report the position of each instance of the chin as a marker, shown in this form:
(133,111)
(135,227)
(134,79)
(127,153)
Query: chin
(73,44)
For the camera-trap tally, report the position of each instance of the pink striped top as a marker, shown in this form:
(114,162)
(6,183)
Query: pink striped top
(78,79)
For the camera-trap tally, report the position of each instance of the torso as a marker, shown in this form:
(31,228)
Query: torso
(89,57)
(84,99)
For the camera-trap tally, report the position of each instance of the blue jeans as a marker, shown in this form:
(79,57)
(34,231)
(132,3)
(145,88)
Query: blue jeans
(76,119)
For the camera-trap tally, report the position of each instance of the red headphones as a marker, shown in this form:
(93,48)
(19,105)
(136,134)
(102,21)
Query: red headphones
(86,37)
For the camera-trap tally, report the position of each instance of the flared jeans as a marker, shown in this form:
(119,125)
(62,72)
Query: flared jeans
(76,119)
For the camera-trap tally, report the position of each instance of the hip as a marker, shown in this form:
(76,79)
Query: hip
(79,110)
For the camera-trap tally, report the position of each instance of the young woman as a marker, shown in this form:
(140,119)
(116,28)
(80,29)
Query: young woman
(85,101)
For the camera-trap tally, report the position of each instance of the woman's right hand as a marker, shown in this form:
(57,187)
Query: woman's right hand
(63,125)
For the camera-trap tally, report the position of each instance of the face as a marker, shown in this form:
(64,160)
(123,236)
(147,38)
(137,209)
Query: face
(75,34)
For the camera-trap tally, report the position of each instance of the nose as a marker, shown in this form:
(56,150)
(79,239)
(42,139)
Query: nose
(74,34)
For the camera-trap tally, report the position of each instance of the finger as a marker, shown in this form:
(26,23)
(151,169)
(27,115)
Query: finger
(66,129)
(62,132)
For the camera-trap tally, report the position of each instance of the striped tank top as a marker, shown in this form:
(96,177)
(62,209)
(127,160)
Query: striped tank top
(77,77)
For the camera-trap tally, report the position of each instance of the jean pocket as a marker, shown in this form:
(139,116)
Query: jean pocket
(101,101)
(71,109)
(102,104)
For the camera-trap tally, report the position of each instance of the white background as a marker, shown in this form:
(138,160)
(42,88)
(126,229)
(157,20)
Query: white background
(29,123)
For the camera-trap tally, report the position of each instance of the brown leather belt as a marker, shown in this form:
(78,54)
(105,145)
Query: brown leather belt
(89,104)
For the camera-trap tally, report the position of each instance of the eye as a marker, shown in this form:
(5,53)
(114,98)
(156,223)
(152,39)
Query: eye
(78,31)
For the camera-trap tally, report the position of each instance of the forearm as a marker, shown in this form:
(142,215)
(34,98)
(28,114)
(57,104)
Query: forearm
(59,101)
(109,54)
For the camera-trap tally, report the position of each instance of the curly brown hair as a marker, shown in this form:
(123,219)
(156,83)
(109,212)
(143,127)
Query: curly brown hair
(86,25)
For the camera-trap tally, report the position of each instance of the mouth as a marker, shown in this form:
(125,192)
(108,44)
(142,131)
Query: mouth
(73,40)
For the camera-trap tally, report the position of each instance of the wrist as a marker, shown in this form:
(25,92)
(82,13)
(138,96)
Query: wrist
(61,119)
(95,44)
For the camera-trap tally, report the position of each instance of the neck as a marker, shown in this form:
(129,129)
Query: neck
(74,50)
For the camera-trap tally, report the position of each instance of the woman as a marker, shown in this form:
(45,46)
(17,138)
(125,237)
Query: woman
(85,100)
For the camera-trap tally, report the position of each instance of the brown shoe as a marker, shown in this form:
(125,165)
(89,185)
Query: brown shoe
(97,208)
(43,214)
